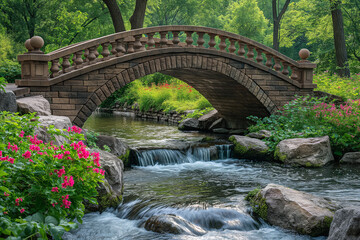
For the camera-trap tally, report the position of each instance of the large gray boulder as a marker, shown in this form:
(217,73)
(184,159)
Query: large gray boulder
(111,190)
(8,101)
(346,224)
(117,147)
(219,123)
(59,122)
(169,223)
(308,152)
(292,209)
(250,148)
(189,124)
(36,104)
(206,120)
(351,157)
(260,134)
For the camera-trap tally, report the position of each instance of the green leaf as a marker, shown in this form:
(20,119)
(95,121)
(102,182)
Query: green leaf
(57,232)
(51,219)
(38,217)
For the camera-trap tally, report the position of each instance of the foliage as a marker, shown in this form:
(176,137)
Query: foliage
(2,84)
(43,185)
(10,70)
(159,93)
(312,117)
(91,138)
(348,88)
(197,113)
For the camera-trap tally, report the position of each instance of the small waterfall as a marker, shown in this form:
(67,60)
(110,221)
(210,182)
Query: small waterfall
(224,151)
(201,154)
(162,156)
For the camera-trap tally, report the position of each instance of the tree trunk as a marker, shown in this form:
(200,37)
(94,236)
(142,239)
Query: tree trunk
(276,22)
(137,19)
(116,16)
(339,39)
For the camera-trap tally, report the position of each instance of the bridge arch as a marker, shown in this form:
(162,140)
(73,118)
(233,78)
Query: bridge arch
(237,85)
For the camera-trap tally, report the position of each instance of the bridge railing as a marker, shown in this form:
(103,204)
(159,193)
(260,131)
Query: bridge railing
(37,66)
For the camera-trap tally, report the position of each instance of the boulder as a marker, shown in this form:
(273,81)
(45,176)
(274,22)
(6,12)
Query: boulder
(250,148)
(351,157)
(219,123)
(8,101)
(308,152)
(260,134)
(189,124)
(221,130)
(169,223)
(292,209)
(36,104)
(346,224)
(117,147)
(206,120)
(59,122)
(111,190)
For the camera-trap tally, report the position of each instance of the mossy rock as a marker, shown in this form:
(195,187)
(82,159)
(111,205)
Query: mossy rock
(250,148)
(257,203)
(279,156)
(126,159)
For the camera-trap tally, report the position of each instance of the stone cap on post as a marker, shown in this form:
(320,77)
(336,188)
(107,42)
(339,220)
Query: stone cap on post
(34,69)
(307,68)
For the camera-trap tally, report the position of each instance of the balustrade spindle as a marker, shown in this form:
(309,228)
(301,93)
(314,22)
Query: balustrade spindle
(232,47)
(277,65)
(105,52)
(222,44)
(259,57)
(113,48)
(241,50)
(66,64)
(250,54)
(143,44)
(120,49)
(200,41)
(151,41)
(78,59)
(86,53)
(176,39)
(55,68)
(137,44)
(96,51)
(285,70)
(189,40)
(130,45)
(294,73)
(73,59)
(91,55)
(212,42)
(269,62)
(163,39)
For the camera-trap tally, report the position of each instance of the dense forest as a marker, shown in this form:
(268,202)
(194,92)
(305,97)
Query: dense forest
(330,29)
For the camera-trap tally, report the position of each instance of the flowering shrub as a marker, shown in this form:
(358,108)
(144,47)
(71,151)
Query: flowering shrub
(42,185)
(348,88)
(313,117)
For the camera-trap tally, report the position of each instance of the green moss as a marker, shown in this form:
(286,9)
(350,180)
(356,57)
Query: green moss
(322,228)
(258,203)
(279,156)
(207,139)
(328,221)
(126,158)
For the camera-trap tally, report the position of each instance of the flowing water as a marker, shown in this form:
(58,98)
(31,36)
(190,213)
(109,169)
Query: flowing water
(207,197)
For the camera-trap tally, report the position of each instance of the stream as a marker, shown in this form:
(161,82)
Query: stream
(207,194)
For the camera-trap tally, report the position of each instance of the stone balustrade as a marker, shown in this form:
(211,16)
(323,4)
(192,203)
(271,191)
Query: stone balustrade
(37,66)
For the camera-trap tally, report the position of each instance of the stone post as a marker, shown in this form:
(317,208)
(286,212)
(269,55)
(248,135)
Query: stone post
(306,69)
(34,63)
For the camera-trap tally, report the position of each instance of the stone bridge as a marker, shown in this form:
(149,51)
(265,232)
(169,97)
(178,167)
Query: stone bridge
(239,77)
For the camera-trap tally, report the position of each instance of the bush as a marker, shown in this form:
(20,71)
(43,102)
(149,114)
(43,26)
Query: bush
(2,84)
(312,117)
(10,70)
(43,186)
(348,88)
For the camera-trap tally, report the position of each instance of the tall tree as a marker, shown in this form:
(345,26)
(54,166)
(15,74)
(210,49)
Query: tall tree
(136,20)
(277,15)
(339,38)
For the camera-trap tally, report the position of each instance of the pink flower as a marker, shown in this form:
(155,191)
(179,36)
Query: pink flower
(21,134)
(65,201)
(30,160)
(22,210)
(6,194)
(11,160)
(61,171)
(17,201)
(27,154)
(55,189)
